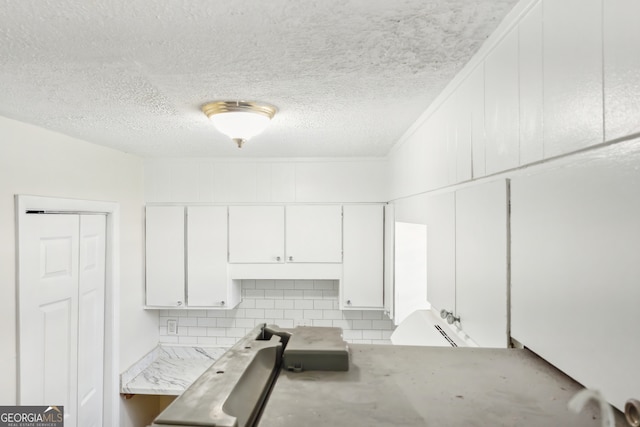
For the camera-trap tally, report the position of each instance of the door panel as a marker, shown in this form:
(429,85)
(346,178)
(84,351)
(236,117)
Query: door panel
(207,256)
(91,319)
(363,257)
(48,312)
(165,255)
(256,234)
(481,262)
(314,233)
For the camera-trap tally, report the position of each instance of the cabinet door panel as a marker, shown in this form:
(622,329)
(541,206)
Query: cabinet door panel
(314,233)
(572,114)
(256,234)
(207,256)
(481,262)
(363,256)
(441,251)
(165,255)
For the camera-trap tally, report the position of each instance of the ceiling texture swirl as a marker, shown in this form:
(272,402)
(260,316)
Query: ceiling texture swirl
(348,76)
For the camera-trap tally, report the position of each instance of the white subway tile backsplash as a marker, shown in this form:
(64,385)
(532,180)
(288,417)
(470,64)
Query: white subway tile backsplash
(253,293)
(362,324)
(274,293)
(225,323)
(372,315)
(274,314)
(312,314)
(216,332)
(207,321)
(286,303)
(285,284)
(266,303)
(303,304)
(322,322)
(293,314)
(352,315)
(292,294)
(313,294)
(216,313)
(325,285)
(372,335)
(236,332)
(254,313)
(322,304)
(187,321)
(304,284)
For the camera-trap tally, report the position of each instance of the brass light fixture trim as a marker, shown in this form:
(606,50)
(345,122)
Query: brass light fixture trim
(220,107)
(217,107)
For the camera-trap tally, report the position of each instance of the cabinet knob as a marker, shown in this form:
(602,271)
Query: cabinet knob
(451,319)
(632,412)
(221,302)
(348,302)
(179,303)
(444,313)
(290,258)
(277,258)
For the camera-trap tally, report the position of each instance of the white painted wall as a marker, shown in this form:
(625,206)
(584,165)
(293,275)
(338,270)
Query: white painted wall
(265,181)
(555,79)
(40,162)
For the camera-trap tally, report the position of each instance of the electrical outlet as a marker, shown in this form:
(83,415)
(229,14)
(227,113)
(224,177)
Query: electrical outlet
(172,327)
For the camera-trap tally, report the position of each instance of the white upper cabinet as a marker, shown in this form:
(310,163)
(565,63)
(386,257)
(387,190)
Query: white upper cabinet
(165,278)
(621,68)
(362,286)
(208,284)
(572,40)
(501,106)
(314,233)
(256,234)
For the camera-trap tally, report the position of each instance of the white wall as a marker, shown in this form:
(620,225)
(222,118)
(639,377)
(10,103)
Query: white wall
(265,181)
(558,81)
(35,161)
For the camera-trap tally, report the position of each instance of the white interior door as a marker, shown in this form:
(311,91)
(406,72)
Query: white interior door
(91,319)
(61,359)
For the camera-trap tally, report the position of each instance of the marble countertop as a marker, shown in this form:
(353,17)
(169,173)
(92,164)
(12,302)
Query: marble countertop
(168,369)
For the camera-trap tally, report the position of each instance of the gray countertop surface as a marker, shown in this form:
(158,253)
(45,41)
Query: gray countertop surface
(430,386)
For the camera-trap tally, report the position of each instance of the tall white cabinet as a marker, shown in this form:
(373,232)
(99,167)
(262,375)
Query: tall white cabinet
(363,240)
(164,244)
(208,284)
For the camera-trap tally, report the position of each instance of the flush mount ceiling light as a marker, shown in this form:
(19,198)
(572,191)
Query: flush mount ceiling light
(239,120)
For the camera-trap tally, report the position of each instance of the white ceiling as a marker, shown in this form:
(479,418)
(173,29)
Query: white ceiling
(348,77)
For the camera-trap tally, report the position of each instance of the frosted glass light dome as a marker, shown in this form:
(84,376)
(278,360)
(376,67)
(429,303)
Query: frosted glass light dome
(239,120)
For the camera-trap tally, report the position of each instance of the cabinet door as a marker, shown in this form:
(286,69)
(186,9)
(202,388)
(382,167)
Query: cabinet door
(165,255)
(314,233)
(481,262)
(207,256)
(362,285)
(256,234)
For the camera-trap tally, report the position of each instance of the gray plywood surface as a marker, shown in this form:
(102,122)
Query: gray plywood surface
(420,386)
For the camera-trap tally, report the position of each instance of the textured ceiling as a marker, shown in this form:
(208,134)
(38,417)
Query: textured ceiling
(348,77)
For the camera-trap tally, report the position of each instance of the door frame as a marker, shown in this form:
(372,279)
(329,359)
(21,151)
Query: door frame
(53,205)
